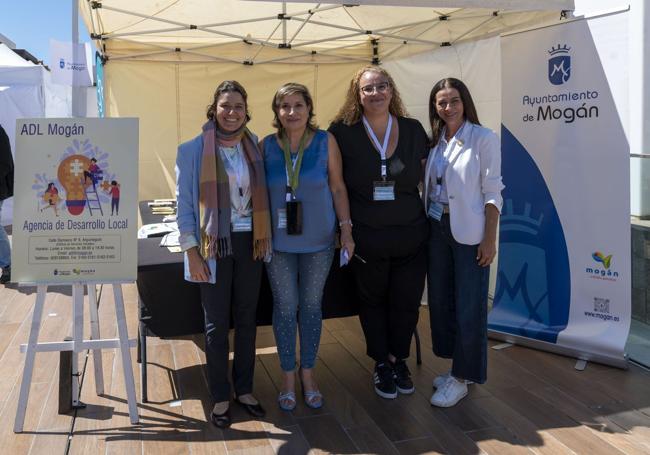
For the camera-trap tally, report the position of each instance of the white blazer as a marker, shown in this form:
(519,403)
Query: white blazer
(473,179)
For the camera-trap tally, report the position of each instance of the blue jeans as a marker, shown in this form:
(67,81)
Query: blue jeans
(5,248)
(297,281)
(457,290)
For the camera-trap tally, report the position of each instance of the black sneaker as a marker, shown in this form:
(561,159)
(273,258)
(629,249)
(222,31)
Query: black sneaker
(402,377)
(6,275)
(384,380)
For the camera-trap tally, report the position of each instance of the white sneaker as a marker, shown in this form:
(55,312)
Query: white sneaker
(439,381)
(450,393)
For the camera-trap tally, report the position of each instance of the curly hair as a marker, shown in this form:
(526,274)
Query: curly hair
(293,88)
(351,111)
(224,87)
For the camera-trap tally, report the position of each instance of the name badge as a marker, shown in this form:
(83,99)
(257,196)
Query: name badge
(282,218)
(435,210)
(243,224)
(383,190)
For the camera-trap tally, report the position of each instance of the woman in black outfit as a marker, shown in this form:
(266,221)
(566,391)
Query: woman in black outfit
(383,153)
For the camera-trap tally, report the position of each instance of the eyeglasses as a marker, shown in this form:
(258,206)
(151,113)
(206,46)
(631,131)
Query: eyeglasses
(382,87)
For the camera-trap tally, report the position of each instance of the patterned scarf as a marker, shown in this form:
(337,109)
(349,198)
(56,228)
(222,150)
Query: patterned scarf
(214,194)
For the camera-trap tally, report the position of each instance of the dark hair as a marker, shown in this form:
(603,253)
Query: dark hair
(225,87)
(292,88)
(469,110)
(93,159)
(351,111)
(50,185)
(113,182)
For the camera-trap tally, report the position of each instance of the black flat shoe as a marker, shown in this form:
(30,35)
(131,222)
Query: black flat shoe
(256,410)
(221,420)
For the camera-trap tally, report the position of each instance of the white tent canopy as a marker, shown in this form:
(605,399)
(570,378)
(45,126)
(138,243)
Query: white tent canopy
(499,4)
(255,32)
(10,58)
(164,58)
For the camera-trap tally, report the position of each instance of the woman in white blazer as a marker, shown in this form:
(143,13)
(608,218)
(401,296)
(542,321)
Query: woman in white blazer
(462,198)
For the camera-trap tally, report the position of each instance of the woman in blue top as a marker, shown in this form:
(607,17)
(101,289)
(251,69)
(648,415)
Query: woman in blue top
(307,193)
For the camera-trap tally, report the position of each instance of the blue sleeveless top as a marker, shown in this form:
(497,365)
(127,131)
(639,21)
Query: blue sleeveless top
(318,216)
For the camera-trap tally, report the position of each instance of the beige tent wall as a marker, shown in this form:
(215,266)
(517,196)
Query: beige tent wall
(476,63)
(170,99)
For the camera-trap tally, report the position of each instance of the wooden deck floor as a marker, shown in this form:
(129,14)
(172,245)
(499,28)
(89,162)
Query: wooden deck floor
(533,402)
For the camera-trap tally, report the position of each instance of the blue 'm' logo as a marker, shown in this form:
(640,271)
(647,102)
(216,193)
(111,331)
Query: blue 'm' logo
(61,63)
(559,65)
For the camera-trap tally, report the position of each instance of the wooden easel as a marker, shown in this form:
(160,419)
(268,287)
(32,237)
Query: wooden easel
(78,344)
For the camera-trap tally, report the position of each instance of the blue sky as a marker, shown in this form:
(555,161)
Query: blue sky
(31,23)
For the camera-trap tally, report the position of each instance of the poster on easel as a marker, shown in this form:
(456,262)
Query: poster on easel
(76,198)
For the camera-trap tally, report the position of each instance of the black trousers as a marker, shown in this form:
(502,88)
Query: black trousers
(235,293)
(458,291)
(390,285)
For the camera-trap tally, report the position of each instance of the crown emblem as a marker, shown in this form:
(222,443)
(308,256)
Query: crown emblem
(523,222)
(559,49)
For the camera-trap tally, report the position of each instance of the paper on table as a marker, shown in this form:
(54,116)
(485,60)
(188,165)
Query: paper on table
(171,239)
(156,229)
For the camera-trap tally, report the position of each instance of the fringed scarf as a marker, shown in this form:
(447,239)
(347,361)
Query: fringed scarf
(214,194)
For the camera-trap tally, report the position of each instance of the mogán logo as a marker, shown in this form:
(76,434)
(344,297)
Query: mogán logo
(559,65)
(604,272)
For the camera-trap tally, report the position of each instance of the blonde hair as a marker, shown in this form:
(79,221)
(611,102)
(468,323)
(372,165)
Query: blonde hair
(351,111)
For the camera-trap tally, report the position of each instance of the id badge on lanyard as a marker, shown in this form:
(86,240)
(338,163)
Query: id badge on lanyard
(290,218)
(243,224)
(384,189)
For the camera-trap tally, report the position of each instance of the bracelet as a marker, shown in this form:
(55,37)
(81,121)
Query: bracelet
(348,221)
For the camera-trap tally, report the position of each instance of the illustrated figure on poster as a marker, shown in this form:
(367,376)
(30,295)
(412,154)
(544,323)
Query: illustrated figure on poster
(114,192)
(94,172)
(51,197)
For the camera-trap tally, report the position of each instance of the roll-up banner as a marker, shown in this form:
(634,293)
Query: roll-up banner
(563,280)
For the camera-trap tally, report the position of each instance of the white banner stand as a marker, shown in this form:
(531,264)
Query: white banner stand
(78,344)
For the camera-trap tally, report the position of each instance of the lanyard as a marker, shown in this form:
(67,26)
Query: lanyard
(439,162)
(381,147)
(237,165)
(293,169)
(441,157)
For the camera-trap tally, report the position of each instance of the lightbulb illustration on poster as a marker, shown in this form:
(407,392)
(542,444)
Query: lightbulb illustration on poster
(76,194)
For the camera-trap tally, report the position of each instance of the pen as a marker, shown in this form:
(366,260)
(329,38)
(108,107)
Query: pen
(360,258)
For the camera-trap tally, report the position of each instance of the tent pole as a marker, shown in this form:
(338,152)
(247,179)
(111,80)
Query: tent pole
(78,94)
(284,23)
